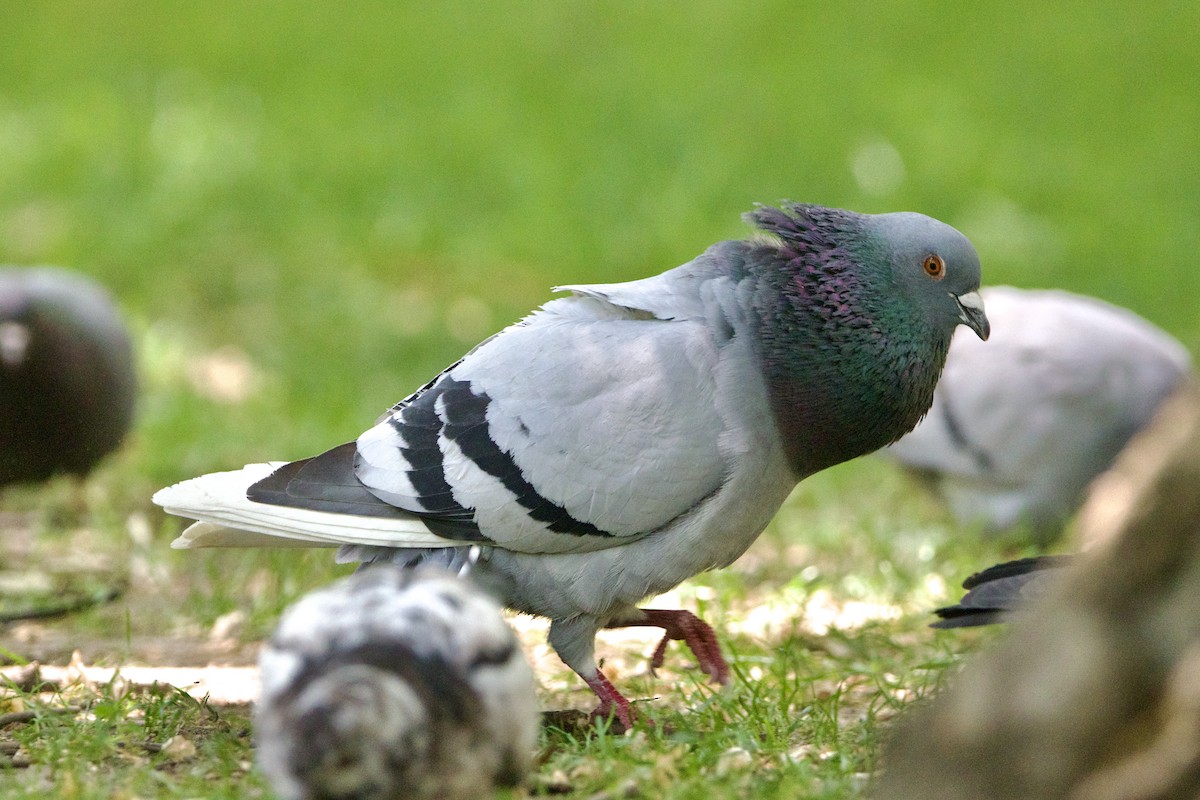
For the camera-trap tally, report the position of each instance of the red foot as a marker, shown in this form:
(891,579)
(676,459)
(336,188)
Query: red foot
(613,704)
(697,634)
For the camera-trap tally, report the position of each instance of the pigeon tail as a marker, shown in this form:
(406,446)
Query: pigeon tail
(228,518)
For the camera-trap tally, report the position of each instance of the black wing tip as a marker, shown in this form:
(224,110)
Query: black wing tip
(272,490)
(1020,566)
(995,592)
(959,617)
(322,483)
(333,467)
(328,483)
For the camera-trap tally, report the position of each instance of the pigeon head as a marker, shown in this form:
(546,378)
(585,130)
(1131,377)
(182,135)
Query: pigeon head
(934,265)
(856,315)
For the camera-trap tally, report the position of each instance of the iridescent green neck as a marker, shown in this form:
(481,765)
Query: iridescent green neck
(849,369)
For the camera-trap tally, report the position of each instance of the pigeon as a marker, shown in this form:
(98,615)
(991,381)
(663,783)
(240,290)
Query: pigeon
(625,438)
(1019,428)
(67,382)
(394,683)
(994,593)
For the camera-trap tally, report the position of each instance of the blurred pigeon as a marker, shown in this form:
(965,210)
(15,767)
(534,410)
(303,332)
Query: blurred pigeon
(621,440)
(67,383)
(995,592)
(1019,428)
(394,683)
(1093,693)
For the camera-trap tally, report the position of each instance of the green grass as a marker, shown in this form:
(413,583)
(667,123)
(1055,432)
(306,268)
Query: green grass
(119,743)
(305,212)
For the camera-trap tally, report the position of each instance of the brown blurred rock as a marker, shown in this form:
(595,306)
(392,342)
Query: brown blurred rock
(1095,692)
(1141,476)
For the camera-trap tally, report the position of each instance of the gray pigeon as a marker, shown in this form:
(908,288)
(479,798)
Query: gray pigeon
(67,383)
(1019,428)
(618,441)
(394,683)
(994,593)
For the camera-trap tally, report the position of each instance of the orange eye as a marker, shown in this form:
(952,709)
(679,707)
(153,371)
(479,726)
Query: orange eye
(934,266)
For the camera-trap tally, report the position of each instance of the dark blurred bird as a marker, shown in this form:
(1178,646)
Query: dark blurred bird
(1019,428)
(621,440)
(67,382)
(394,683)
(993,593)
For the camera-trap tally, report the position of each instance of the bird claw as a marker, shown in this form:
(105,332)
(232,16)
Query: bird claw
(659,655)
(619,720)
(613,708)
(698,635)
(677,625)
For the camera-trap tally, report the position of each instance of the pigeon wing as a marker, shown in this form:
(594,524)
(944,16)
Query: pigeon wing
(584,425)
(591,422)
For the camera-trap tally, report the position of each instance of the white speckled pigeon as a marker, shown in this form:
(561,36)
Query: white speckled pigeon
(994,593)
(395,683)
(1019,428)
(621,440)
(67,383)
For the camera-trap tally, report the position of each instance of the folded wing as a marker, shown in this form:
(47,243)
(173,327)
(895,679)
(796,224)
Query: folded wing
(587,424)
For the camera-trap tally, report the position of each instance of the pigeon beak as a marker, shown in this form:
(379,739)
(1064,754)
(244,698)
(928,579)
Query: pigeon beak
(970,311)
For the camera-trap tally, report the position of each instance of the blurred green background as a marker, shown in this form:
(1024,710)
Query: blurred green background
(337,200)
(307,209)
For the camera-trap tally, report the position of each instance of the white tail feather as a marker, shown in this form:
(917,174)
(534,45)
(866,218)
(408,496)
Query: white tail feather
(228,519)
(208,534)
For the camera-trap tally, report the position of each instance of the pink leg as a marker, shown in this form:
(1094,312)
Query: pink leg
(612,703)
(695,633)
